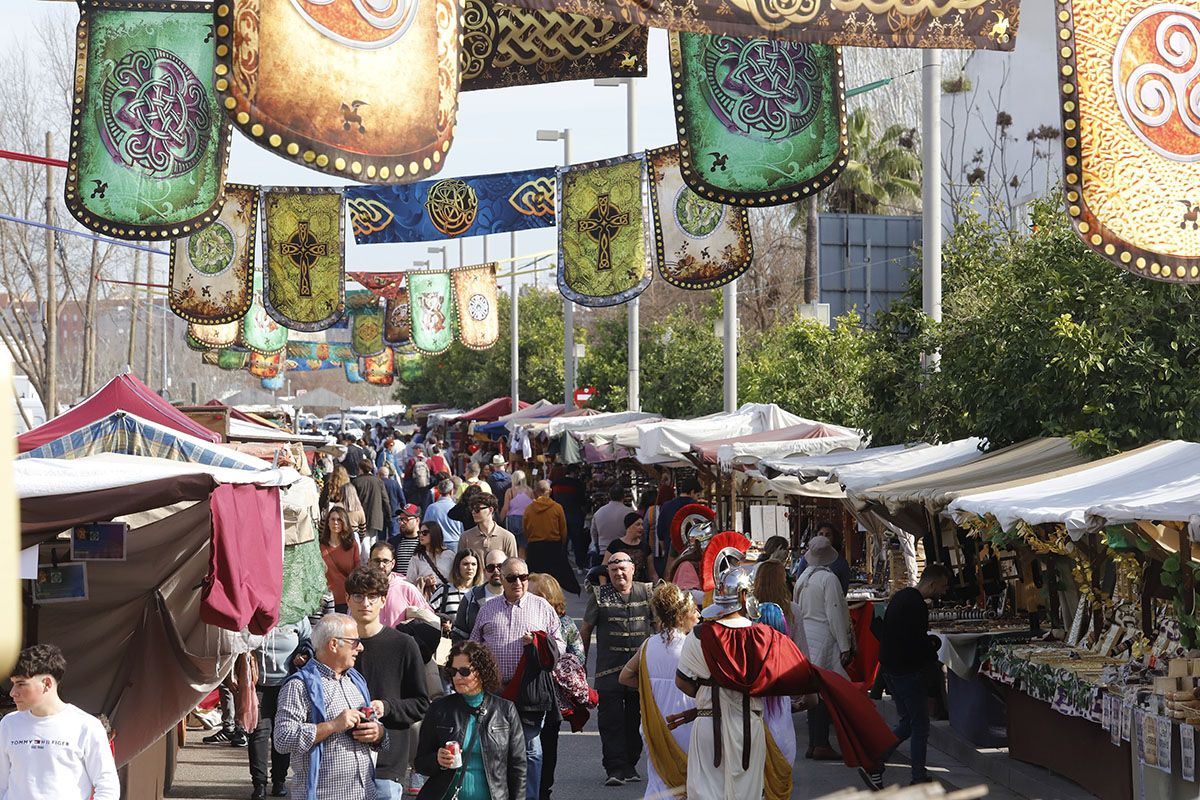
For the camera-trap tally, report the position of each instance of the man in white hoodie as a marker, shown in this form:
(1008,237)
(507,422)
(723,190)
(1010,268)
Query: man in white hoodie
(50,749)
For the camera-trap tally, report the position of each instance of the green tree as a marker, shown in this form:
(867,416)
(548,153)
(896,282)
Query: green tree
(882,171)
(604,366)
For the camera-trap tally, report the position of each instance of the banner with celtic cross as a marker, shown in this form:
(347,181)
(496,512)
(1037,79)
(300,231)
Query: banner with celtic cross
(363,90)
(602,235)
(508,46)
(149,144)
(698,244)
(447,208)
(761,121)
(212,271)
(475,300)
(1131,132)
(259,333)
(303,264)
(432,309)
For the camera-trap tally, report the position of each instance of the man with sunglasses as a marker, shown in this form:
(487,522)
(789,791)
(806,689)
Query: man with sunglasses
(473,600)
(487,533)
(524,634)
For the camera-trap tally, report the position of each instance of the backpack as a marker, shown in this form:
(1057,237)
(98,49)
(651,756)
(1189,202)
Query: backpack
(420,473)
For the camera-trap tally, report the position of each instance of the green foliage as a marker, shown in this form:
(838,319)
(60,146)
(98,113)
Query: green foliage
(605,364)
(882,171)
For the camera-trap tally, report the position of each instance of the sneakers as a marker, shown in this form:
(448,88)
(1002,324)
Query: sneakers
(872,778)
(279,789)
(260,792)
(220,737)
(239,739)
(613,780)
(632,776)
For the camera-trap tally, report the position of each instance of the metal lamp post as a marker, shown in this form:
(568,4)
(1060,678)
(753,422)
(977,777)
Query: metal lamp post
(564,136)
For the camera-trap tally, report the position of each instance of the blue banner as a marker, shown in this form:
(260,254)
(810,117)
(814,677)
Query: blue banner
(452,207)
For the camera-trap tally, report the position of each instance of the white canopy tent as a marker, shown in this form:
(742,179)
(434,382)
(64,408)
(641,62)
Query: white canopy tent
(810,468)
(43,477)
(583,425)
(666,441)
(907,464)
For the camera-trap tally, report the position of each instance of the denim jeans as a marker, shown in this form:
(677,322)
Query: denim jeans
(388,790)
(912,703)
(533,758)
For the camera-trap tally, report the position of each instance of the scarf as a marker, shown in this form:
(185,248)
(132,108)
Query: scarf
(310,676)
(668,758)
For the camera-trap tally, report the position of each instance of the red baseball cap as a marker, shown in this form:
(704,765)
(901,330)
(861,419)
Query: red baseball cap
(409,510)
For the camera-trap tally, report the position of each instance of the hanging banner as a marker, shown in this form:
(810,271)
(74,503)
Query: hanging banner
(353,373)
(316,356)
(397,320)
(272,384)
(507,46)
(380,370)
(193,343)
(366,331)
(262,366)
(943,24)
(699,244)
(1131,132)
(432,308)
(475,302)
(602,238)
(761,122)
(367,91)
(303,267)
(210,336)
(149,144)
(212,270)
(452,207)
(259,333)
(228,358)
(384,285)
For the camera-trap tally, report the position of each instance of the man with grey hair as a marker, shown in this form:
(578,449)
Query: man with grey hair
(326,719)
(439,512)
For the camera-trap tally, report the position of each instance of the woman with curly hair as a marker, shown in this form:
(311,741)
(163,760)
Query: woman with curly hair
(340,551)
(486,728)
(652,672)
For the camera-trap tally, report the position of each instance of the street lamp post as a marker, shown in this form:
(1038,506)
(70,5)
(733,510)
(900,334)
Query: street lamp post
(440,251)
(931,191)
(514,348)
(568,307)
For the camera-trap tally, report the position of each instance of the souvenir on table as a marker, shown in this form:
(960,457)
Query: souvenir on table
(475,301)
(303,266)
(315,356)
(761,121)
(149,144)
(272,384)
(450,207)
(602,235)
(210,336)
(353,373)
(365,90)
(1131,132)
(264,366)
(950,24)
(432,308)
(259,333)
(699,244)
(397,320)
(508,46)
(366,331)
(380,370)
(212,270)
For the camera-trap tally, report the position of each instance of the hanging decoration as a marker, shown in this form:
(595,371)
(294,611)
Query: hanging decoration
(265,366)
(761,121)
(316,356)
(432,304)
(450,207)
(475,302)
(507,46)
(212,271)
(380,370)
(1131,132)
(227,358)
(272,384)
(602,238)
(397,319)
(699,244)
(353,373)
(367,91)
(149,144)
(259,333)
(384,285)
(210,336)
(948,24)
(193,343)
(366,331)
(303,267)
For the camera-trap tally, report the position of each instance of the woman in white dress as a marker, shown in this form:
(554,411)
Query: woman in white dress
(652,671)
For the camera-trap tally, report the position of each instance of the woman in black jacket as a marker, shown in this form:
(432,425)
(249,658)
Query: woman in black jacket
(486,727)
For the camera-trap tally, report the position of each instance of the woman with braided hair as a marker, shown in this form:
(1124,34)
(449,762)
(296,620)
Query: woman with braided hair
(652,672)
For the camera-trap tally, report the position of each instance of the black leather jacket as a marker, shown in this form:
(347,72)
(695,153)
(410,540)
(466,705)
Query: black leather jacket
(502,742)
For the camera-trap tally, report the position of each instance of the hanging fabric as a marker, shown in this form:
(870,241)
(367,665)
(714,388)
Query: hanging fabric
(212,271)
(264,366)
(432,304)
(315,356)
(397,319)
(272,384)
(353,373)
(380,370)
(303,267)
(227,358)
(384,285)
(366,331)
(259,333)
(366,91)
(149,144)
(211,336)
(475,302)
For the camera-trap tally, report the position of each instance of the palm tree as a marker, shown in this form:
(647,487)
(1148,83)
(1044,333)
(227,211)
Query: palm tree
(881,173)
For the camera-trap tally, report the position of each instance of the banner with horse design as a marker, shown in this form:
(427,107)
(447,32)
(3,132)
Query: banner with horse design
(475,301)
(508,46)
(149,144)
(366,331)
(451,207)
(397,319)
(432,308)
(259,333)
(699,244)
(761,121)
(316,356)
(1131,132)
(380,370)
(212,271)
(945,24)
(303,266)
(602,249)
(211,336)
(367,91)
(265,366)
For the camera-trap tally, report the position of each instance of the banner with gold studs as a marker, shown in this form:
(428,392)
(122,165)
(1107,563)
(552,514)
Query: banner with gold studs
(367,91)
(397,319)
(432,307)
(259,333)
(266,366)
(508,46)
(212,271)
(366,331)
(1131,132)
(303,264)
(149,144)
(475,300)
(380,370)
(210,336)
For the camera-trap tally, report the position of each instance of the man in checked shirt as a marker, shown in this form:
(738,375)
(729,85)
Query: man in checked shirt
(323,720)
(506,626)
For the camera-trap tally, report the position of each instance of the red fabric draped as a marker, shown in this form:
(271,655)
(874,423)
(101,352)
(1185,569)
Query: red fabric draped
(541,644)
(245,577)
(865,666)
(760,661)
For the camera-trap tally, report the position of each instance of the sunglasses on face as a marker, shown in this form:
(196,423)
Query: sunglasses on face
(494,567)
(523,577)
(462,672)
(354,643)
